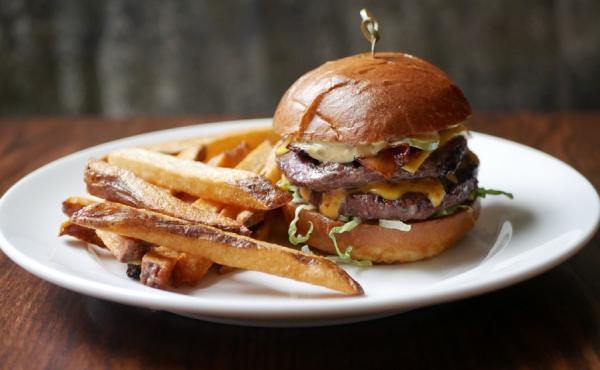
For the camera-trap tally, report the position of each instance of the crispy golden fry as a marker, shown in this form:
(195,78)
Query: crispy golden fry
(230,211)
(263,230)
(123,248)
(84,234)
(208,205)
(256,159)
(271,169)
(193,153)
(230,157)
(252,163)
(157,267)
(252,136)
(216,245)
(249,217)
(190,269)
(188,198)
(218,143)
(221,270)
(74,204)
(119,185)
(246,217)
(162,267)
(224,185)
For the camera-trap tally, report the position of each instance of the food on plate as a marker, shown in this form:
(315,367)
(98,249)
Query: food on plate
(226,185)
(271,169)
(208,205)
(193,153)
(375,152)
(367,161)
(162,267)
(84,234)
(253,162)
(123,248)
(216,245)
(231,157)
(122,186)
(74,204)
(256,159)
(217,144)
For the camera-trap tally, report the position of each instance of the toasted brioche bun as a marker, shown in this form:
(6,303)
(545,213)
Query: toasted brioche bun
(378,244)
(362,100)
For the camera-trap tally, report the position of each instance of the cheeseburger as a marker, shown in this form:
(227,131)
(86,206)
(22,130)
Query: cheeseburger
(376,153)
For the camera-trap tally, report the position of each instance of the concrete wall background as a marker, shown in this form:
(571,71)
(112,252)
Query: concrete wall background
(153,57)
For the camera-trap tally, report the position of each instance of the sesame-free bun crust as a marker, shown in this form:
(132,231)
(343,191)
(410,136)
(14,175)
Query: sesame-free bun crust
(378,244)
(361,99)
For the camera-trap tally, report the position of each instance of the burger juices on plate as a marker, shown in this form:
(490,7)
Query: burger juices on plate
(375,151)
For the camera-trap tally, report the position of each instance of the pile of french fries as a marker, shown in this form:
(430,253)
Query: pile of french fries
(173,210)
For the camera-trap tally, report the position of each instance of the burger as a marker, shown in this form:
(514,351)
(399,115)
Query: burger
(375,151)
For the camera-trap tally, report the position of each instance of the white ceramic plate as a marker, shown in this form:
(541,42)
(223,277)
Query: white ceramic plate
(554,213)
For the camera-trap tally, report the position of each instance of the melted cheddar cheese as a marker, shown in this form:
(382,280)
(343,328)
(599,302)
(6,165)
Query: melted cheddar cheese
(428,186)
(416,163)
(283,148)
(445,136)
(331,202)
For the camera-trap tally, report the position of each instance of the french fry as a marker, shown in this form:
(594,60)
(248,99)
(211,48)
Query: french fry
(256,159)
(190,269)
(230,211)
(263,231)
(188,198)
(218,143)
(123,248)
(246,217)
(224,185)
(216,245)
(193,153)
(162,267)
(221,270)
(74,204)
(253,137)
(271,169)
(84,234)
(208,205)
(252,163)
(249,217)
(119,185)
(230,157)
(157,268)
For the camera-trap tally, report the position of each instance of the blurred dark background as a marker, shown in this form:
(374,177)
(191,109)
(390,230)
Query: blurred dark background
(153,57)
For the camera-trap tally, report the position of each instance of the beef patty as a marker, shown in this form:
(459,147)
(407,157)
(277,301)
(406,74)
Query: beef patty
(411,206)
(302,170)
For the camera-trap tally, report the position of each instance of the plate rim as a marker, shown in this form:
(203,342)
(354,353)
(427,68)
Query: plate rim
(336,307)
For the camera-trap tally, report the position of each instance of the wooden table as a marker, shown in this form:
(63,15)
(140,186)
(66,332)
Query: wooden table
(549,322)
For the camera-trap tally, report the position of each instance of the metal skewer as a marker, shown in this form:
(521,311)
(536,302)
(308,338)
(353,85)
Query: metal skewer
(369,28)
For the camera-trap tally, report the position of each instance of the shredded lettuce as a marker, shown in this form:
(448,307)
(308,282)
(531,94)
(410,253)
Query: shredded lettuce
(450,211)
(395,224)
(346,256)
(284,184)
(423,144)
(477,193)
(483,192)
(293,235)
(343,218)
(306,249)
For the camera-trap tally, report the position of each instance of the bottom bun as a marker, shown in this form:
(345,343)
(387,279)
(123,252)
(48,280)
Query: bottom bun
(379,244)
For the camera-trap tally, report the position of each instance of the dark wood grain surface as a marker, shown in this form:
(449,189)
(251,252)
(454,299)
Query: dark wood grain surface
(549,322)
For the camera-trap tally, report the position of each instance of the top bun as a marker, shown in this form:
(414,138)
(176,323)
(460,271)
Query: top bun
(361,99)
